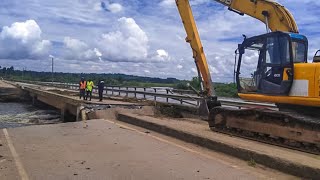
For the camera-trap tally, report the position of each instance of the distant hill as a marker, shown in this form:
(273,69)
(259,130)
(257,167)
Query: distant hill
(75,77)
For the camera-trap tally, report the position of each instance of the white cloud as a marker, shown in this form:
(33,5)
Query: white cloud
(172,3)
(159,26)
(78,50)
(213,70)
(97,6)
(168,3)
(22,40)
(115,7)
(111,7)
(128,43)
(161,55)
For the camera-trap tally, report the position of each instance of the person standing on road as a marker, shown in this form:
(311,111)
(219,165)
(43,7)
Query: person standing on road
(101,88)
(89,89)
(82,87)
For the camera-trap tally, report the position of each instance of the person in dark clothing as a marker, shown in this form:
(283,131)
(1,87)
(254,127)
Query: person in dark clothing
(100,89)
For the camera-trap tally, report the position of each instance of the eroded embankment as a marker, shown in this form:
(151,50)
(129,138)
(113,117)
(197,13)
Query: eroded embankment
(10,93)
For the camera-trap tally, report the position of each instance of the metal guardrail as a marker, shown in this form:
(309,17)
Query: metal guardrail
(155,95)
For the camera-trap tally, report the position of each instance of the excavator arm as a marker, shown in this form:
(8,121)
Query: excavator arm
(275,16)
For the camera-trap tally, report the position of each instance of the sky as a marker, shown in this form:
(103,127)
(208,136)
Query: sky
(136,37)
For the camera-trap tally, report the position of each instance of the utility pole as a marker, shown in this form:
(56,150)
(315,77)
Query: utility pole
(52,71)
(22,73)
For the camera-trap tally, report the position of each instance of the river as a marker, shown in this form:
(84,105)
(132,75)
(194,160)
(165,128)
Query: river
(23,114)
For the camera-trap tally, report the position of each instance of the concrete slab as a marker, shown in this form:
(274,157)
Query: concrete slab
(5,85)
(7,166)
(109,151)
(68,95)
(286,160)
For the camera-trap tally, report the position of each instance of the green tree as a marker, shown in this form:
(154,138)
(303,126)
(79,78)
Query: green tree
(226,90)
(196,83)
(182,85)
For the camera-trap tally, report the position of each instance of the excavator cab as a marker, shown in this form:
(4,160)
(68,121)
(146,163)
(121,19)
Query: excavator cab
(266,62)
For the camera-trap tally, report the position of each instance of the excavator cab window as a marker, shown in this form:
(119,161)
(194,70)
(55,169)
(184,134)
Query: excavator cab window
(298,52)
(299,44)
(265,64)
(251,56)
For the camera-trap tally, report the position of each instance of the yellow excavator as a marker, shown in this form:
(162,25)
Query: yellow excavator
(271,67)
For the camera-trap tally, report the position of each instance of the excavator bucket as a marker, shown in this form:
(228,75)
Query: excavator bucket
(203,108)
(207,104)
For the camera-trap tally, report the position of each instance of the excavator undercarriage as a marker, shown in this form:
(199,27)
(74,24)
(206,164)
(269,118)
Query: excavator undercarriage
(288,129)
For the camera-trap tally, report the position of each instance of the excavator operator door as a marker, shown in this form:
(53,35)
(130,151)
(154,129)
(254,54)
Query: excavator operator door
(266,64)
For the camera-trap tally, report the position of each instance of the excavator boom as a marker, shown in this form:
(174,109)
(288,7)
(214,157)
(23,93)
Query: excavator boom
(194,39)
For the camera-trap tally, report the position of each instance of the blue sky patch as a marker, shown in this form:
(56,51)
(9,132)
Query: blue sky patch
(138,37)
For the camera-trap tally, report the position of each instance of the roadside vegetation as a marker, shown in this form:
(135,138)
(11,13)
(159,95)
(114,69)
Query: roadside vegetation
(222,89)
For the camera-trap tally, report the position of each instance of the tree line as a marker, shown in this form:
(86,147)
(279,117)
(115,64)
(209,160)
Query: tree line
(222,89)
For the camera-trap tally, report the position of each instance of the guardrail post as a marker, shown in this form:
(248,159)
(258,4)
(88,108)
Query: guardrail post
(106,90)
(167,93)
(127,94)
(135,92)
(155,96)
(112,91)
(181,99)
(119,91)
(144,95)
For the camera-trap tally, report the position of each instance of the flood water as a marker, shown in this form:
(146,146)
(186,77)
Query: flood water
(23,114)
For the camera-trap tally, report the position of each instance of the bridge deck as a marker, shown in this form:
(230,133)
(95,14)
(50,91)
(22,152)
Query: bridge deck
(112,151)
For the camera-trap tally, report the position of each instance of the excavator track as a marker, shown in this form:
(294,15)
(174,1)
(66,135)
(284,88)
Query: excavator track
(284,129)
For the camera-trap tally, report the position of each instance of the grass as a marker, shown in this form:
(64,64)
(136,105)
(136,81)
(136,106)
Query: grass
(145,84)
(252,163)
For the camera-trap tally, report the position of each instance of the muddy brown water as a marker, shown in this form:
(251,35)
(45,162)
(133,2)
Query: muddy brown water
(15,114)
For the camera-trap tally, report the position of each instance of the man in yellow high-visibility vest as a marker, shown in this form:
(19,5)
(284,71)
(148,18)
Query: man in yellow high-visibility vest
(89,89)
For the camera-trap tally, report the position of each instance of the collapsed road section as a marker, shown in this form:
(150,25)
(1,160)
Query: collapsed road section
(182,123)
